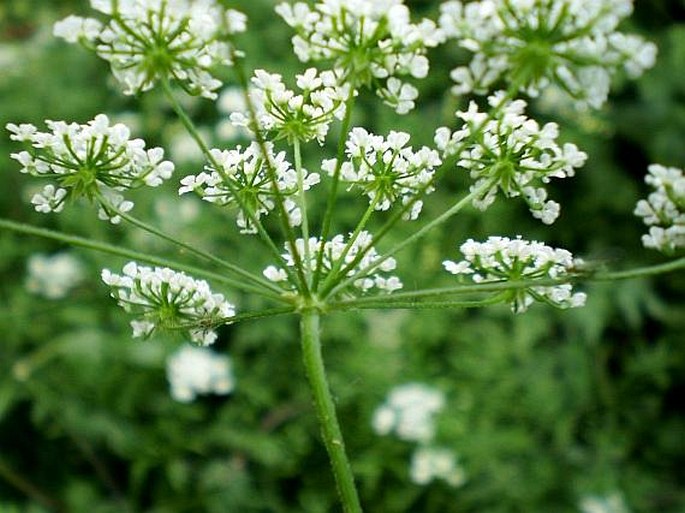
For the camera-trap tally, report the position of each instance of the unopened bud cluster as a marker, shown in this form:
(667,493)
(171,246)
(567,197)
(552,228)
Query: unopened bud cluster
(500,259)
(166,299)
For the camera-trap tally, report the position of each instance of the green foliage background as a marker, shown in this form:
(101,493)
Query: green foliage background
(543,408)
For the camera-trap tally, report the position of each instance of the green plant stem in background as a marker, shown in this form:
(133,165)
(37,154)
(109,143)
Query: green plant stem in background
(28,488)
(325,409)
(111,249)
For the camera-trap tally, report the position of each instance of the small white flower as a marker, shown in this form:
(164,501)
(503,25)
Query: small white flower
(194,371)
(386,170)
(572,43)
(164,298)
(612,503)
(408,412)
(337,254)
(53,276)
(90,161)
(664,209)
(148,40)
(504,259)
(370,42)
(431,463)
(512,153)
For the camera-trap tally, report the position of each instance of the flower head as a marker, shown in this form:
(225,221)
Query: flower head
(612,503)
(150,40)
(504,259)
(192,371)
(336,254)
(408,412)
(512,153)
(387,170)
(371,42)
(286,115)
(166,299)
(90,160)
(664,209)
(53,276)
(241,178)
(431,463)
(530,44)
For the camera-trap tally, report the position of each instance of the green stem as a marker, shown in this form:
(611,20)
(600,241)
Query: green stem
(638,272)
(193,250)
(381,304)
(301,282)
(325,409)
(330,291)
(333,193)
(28,488)
(303,208)
(195,134)
(335,275)
(111,249)
(244,316)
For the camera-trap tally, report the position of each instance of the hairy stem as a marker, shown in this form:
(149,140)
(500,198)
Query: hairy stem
(325,409)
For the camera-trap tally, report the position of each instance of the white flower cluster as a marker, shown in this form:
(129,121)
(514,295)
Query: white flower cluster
(664,209)
(164,298)
(291,116)
(148,40)
(532,43)
(612,503)
(371,42)
(431,463)
(53,276)
(409,412)
(88,160)
(386,170)
(193,371)
(337,254)
(501,259)
(243,179)
(511,152)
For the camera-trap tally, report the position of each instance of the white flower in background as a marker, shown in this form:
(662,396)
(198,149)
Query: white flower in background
(90,161)
(53,276)
(664,209)
(387,170)
(432,463)
(530,44)
(194,371)
(511,152)
(371,42)
(409,412)
(243,180)
(285,115)
(612,503)
(337,253)
(167,299)
(500,259)
(150,40)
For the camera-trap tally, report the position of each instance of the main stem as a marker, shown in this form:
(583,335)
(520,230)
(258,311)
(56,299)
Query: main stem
(325,410)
